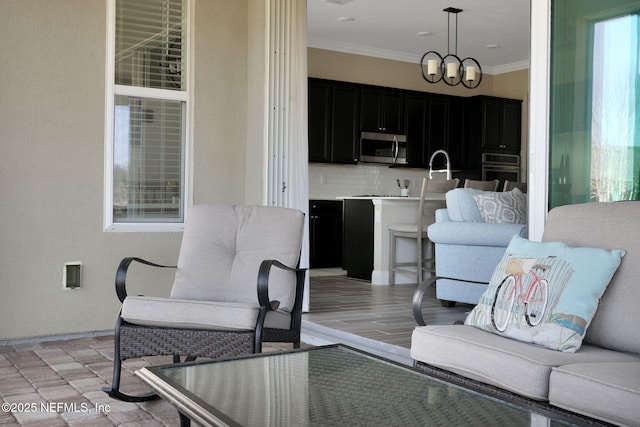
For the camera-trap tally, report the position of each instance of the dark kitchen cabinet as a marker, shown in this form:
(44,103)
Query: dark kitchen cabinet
(325,233)
(320,95)
(357,252)
(463,126)
(438,124)
(416,127)
(460,153)
(382,110)
(435,122)
(345,124)
(512,125)
(446,131)
(334,127)
(498,124)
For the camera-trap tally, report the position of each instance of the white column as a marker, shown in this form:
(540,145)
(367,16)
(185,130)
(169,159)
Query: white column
(539,86)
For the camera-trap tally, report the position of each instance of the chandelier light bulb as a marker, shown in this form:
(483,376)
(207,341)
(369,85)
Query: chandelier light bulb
(452,70)
(470,73)
(432,66)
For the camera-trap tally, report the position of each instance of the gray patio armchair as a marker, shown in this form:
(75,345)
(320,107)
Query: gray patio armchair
(226,298)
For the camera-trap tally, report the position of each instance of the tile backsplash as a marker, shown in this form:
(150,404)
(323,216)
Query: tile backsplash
(328,181)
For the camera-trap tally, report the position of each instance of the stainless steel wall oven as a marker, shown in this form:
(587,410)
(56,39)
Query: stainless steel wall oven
(501,166)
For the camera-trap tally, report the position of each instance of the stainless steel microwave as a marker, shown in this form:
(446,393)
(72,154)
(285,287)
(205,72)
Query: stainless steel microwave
(383,148)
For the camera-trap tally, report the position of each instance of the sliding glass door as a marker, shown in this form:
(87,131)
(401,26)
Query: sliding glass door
(594,153)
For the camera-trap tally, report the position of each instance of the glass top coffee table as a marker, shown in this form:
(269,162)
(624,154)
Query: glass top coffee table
(331,385)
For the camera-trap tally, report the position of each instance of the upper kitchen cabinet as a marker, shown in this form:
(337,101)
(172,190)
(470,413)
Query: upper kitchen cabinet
(319,122)
(496,124)
(465,127)
(445,127)
(437,125)
(416,127)
(382,110)
(334,112)
(345,124)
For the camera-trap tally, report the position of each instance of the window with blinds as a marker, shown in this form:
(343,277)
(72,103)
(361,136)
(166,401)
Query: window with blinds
(149,37)
(149,111)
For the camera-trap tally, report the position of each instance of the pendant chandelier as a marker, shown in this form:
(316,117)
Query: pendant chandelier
(451,69)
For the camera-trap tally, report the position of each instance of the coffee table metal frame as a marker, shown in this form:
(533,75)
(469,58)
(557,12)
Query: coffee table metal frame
(194,407)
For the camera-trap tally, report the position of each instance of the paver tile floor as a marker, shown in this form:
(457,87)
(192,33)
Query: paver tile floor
(58,383)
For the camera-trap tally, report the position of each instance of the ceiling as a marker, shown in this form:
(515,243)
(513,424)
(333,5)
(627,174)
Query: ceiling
(495,32)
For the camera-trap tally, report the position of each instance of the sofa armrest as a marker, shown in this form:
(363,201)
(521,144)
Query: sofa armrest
(475,233)
(442,215)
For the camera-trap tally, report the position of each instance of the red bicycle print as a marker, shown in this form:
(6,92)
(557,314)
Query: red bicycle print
(511,291)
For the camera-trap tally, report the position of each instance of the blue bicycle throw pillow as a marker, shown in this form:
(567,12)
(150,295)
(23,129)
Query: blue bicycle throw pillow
(545,293)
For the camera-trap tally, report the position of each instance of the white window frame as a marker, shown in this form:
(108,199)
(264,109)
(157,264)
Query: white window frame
(112,90)
(539,84)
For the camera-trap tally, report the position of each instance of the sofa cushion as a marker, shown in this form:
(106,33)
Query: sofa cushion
(190,314)
(503,207)
(575,279)
(461,206)
(607,391)
(513,365)
(609,226)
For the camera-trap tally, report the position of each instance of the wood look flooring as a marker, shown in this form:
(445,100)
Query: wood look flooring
(368,316)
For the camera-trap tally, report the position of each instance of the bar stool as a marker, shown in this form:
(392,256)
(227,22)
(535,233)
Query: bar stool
(426,216)
(510,185)
(482,185)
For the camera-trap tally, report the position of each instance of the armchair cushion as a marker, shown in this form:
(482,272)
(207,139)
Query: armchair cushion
(219,260)
(190,314)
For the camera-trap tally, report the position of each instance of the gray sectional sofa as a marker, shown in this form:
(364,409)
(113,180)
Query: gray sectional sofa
(601,380)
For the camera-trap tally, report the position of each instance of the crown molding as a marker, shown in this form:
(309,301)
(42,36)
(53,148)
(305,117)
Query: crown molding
(393,55)
(507,68)
(362,50)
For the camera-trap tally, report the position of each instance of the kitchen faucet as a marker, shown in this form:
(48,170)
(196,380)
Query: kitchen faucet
(447,167)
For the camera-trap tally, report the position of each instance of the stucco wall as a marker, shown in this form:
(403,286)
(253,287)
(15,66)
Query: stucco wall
(52,109)
(52,101)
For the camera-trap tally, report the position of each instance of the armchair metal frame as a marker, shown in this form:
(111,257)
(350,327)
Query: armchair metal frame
(132,341)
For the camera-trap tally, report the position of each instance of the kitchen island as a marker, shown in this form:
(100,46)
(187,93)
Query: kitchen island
(366,234)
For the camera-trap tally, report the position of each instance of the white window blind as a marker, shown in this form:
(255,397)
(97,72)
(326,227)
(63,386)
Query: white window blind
(149,97)
(149,36)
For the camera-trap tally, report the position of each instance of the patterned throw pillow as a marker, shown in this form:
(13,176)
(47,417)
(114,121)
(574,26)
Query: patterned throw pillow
(503,207)
(545,293)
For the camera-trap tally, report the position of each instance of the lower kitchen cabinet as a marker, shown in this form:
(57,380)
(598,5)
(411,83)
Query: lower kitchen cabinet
(325,233)
(358,238)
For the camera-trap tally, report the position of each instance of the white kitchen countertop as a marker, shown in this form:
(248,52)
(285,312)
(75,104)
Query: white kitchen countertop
(428,196)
